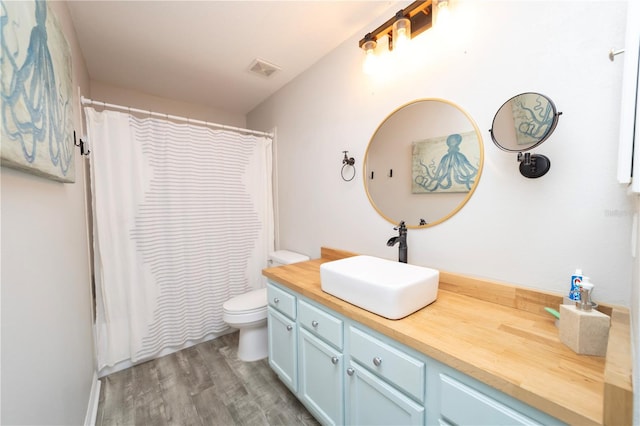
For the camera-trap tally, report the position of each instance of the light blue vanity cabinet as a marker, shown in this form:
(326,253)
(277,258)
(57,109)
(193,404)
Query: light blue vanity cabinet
(346,373)
(283,335)
(321,364)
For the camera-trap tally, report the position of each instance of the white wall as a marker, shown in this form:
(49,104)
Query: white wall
(635,310)
(104,92)
(530,232)
(47,345)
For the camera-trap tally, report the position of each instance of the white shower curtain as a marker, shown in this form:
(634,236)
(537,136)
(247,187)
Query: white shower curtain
(183,221)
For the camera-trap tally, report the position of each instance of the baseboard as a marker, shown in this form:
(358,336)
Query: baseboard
(94,399)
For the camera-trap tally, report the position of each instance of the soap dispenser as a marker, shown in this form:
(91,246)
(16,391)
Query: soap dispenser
(582,328)
(585,288)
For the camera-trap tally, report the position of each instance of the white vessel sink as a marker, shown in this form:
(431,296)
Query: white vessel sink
(387,288)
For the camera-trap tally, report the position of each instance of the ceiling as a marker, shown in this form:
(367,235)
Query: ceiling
(201,51)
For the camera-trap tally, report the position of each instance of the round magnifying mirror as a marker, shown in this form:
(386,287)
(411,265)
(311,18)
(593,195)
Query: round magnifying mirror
(524,122)
(423,163)
(521,124)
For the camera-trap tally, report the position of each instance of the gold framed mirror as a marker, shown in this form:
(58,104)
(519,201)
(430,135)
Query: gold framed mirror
(423,163)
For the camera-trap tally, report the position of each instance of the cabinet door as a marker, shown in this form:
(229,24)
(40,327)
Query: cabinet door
(283,348)
(321,379)
(374,402)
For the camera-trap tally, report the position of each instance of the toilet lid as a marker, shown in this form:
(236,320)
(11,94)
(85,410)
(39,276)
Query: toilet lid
(286,257)
(255,299)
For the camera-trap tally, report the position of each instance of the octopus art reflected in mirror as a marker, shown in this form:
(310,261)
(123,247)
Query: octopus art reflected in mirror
(423,163)
(454,168)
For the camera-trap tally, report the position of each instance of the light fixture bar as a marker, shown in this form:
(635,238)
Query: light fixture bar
(419,13)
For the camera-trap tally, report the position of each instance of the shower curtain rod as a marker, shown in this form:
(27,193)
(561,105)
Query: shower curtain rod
(87,101)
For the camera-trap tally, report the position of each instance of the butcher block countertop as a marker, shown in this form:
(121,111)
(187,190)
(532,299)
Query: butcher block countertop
(501,335)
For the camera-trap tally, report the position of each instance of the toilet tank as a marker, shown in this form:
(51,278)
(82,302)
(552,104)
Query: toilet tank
(286,257)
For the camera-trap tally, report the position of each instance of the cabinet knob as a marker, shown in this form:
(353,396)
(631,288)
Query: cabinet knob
(314,323)
(276,300)
(289,327)
(377,361)
(350,371)
(334,360)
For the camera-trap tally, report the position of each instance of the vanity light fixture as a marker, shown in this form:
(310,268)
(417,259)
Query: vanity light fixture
(399,29)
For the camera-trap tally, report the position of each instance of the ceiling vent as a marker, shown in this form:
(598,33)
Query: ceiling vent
(263,68)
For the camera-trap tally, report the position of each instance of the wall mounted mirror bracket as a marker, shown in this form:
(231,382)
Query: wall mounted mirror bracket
(521,124)
(533,165)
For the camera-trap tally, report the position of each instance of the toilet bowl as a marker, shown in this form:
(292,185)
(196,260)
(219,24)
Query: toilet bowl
(248,313)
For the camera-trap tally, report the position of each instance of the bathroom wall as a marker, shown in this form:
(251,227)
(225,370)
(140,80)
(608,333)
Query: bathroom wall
(635,311)
(530,232)
(47,344)
(105,92)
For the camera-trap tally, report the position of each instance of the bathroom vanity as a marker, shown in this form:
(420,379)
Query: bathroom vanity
(482,353)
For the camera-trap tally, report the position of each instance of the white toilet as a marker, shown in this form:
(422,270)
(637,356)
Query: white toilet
(248,312)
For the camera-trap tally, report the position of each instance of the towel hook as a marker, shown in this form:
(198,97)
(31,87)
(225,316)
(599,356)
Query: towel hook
(82,144)
(613,53)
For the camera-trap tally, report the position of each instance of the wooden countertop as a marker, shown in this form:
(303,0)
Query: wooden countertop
(501,335)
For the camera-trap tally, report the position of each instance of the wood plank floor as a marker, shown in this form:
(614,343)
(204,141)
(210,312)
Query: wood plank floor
(201,385)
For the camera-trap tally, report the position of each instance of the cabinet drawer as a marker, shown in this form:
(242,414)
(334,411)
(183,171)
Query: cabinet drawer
(281,301)
(461,404)
(320,323)
(401,369)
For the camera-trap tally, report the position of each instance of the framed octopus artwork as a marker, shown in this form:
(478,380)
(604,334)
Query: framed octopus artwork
(447,163)
(37,92)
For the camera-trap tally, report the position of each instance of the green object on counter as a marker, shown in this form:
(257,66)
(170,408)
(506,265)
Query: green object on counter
(553,312)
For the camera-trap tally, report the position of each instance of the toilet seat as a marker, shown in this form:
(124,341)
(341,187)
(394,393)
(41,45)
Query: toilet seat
(246,308)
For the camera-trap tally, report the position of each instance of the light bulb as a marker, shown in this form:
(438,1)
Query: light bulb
(369,65)
(443,13)
(401,32)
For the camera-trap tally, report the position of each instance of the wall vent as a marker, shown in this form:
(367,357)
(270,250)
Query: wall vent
(263,68)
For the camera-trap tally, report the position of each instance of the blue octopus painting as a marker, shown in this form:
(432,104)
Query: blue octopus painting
(37,117)
(453,172)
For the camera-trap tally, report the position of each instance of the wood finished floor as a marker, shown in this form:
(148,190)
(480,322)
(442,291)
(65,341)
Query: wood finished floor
(201,385)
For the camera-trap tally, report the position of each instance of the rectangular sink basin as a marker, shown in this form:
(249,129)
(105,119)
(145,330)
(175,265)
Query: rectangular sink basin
(387,288)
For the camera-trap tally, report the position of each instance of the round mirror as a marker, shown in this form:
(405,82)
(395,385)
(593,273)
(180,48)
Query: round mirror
(423,163)
(524,122)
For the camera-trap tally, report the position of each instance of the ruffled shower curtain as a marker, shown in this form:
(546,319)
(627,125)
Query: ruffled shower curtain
(183,221)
